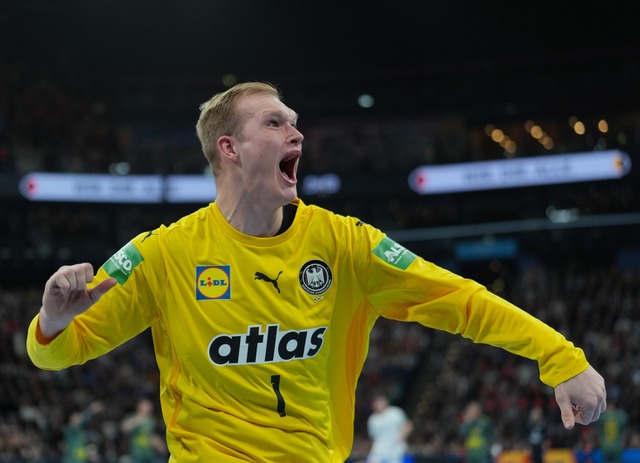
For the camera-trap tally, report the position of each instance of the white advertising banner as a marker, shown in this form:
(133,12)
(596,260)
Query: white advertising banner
(98,188)
(520,172)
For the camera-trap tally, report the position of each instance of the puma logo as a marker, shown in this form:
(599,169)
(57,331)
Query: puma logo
(263,277)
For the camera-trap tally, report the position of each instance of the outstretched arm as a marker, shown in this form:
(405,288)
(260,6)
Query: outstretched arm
(66,295)
(582,398)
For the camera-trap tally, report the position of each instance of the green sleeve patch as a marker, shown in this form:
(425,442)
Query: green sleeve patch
(122,263)
(394,254)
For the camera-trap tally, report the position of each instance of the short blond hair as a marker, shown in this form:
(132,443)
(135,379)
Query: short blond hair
(218,117)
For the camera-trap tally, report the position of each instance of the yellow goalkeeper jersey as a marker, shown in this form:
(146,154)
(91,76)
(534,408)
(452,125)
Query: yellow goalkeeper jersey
(260,341)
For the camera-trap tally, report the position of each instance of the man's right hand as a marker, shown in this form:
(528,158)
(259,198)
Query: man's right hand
(66,295)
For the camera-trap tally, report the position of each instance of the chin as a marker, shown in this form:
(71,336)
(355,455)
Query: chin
(290,194)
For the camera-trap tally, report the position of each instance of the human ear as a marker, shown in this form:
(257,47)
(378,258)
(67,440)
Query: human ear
(226,147)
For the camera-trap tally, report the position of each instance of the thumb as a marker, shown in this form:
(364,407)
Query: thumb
(566,414)
(98,291)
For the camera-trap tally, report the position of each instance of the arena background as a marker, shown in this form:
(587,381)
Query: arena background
(113,87)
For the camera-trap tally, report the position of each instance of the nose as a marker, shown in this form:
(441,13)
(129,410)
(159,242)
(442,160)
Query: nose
(296,136)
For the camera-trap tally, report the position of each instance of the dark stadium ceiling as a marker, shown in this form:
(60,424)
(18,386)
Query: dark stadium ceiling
(407,54)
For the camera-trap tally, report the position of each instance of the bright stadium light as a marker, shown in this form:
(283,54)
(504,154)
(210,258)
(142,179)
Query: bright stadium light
(365,101)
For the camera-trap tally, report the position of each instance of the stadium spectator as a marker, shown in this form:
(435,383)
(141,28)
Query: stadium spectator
(477,431)
(227,373)
(612,433)
(536,433)
(144,444)
(76,443)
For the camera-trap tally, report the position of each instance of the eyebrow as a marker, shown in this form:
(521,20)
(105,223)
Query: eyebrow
(282,115)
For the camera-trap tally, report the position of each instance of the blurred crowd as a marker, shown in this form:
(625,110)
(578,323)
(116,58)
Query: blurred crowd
(60,124)
(39,408)
(56,120)
(596,307)
(432,375)
(55,116)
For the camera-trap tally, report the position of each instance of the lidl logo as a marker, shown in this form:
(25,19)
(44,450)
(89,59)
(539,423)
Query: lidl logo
(213,282)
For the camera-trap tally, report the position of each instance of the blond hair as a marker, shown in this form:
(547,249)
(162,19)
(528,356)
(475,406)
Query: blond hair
(218,117)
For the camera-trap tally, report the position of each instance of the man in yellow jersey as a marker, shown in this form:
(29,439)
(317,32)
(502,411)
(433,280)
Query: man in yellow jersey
(260,305)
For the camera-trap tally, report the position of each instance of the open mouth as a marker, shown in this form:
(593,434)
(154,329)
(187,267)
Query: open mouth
(289,166)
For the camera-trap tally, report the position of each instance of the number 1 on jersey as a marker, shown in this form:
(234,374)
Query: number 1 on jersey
(275,382)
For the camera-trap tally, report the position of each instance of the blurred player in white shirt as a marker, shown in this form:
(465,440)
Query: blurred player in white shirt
(388,428)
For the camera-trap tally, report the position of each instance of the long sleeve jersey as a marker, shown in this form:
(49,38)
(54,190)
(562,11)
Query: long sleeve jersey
(260,340)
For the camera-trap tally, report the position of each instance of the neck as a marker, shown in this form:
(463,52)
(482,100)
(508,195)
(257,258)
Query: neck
(250,218)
